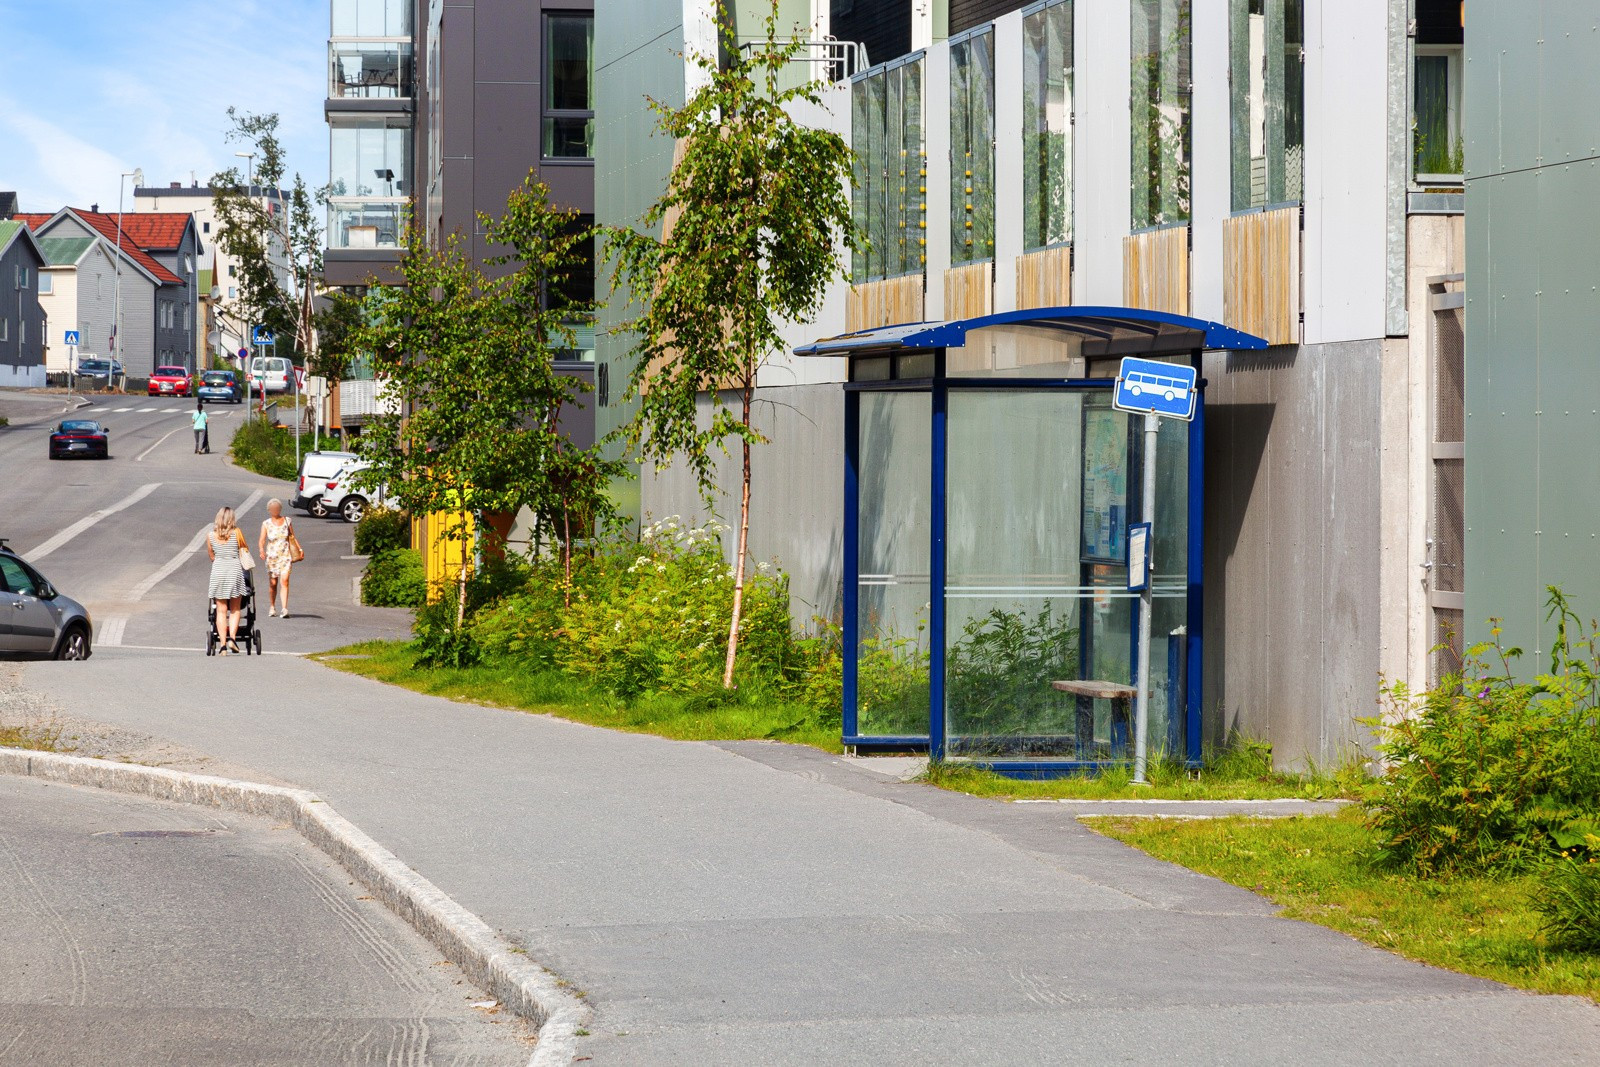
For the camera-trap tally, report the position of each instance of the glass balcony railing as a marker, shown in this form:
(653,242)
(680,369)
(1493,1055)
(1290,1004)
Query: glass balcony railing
(370,70)
(365,223)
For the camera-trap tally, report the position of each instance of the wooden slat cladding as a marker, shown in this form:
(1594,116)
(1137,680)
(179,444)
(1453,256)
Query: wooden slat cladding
(1261,274)
(884,26)
(1044,278)
(969,291)
(965,14)
(1155,270)
(888,302)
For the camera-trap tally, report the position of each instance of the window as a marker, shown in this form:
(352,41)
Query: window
(1047,126)
(83,337)
(22,276)
(1267,70)
(369,156)
(1160,111)
(972,148)
(14,577)
(22,331)
(232,292)
(569,86)
(371,18)
(205,227)
(47,284)
(233,270)
(891,165)
(5,329)
(1436,146)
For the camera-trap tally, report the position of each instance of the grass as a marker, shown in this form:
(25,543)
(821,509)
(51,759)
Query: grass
(508,685)
(39,736)
(1240,773)
(1317,869)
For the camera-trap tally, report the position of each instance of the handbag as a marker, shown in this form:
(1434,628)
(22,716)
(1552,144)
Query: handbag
(296,553)
(246,560)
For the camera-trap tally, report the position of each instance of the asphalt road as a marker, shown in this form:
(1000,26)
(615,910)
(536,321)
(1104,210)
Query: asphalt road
(123,535)
(137,932)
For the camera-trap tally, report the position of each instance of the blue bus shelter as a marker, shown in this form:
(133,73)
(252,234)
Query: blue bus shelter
(989,488)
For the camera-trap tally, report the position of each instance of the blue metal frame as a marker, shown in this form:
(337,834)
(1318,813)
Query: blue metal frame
(850,650)
(936,578)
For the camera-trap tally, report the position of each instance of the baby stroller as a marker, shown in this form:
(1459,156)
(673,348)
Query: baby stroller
(249,633)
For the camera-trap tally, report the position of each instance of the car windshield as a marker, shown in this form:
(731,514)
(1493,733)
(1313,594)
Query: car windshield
(170,372)
(92,364)
(218,378)
(80,427)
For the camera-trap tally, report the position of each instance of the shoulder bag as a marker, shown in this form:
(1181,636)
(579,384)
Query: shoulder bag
(296,553)
(246,560)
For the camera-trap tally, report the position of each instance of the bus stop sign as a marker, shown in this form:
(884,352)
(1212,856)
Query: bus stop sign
(1148,386)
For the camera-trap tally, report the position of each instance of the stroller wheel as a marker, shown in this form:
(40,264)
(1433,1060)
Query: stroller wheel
(211,643)
(258,642)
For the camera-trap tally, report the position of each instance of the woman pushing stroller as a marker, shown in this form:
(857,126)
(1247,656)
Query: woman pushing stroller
(226,545)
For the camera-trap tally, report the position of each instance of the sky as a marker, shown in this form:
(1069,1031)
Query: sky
(92,89)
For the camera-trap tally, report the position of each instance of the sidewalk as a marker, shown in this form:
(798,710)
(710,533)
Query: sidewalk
(754,903)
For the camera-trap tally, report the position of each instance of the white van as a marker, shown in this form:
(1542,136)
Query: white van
(271,374)
(316,469)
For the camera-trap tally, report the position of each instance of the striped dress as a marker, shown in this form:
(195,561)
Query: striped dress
(227,575)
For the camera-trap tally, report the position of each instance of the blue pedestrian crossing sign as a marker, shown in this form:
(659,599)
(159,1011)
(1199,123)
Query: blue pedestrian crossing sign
(1148,386)
(262,335)
(72,338)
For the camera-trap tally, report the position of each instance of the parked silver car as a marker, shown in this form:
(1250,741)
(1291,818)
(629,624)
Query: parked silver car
(35,617)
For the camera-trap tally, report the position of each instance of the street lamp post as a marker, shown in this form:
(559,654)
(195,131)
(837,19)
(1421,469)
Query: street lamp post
(137,174)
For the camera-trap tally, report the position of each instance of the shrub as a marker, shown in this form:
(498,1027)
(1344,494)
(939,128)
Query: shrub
(1487,771)
(265,448)
(395,579)
(653,617)
(999,672)
(438,641)
(892,688)
(382,530)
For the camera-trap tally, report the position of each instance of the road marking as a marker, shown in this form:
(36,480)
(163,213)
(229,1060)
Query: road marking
(111,631)
(116,411)
(145,411)
(198,648)
(140,457)
(89,520)
(167,568)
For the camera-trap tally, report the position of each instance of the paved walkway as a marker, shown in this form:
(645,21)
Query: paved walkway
(751,903)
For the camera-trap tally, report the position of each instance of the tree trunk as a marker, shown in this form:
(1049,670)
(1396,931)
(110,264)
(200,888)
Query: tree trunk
(461,579)
(744,541)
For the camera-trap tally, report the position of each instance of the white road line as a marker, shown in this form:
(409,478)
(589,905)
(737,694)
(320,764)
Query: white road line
(87,521)
(146,411)
(111,631)
(140,457)
(167,568)
(118,411)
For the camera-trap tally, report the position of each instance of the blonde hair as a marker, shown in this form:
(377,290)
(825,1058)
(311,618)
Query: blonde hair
(274,503)
(224,524)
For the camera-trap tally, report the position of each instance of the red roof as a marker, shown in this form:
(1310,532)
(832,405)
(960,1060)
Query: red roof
(106,226)
(161,230)
(33,219)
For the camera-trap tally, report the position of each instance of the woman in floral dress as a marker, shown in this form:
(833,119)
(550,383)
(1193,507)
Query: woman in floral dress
(274,544)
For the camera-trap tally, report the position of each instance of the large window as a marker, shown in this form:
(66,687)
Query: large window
(370,156)
(972,148)
(372,18)
(891,166)
(1267,69)
(1160,112)
(1436,146)
(1047,125)
(568,86)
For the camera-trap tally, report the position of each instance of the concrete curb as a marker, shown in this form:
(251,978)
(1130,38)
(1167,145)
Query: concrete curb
(466,940)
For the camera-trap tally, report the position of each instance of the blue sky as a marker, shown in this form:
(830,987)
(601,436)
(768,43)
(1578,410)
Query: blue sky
(90,89)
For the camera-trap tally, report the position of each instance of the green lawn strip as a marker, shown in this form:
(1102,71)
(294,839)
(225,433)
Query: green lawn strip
(511,686)
(1224,779)
(1315,868)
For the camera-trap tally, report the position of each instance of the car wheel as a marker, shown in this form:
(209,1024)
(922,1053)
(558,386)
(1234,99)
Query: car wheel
(74,644)
(318,510)
(352,509)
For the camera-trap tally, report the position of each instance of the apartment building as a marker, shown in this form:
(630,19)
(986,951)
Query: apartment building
(1287,168)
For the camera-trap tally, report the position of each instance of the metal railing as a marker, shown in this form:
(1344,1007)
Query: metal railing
(838,59)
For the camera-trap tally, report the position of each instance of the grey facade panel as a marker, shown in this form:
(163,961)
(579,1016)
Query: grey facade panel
(18,306)
(1291,558)
(1532,124)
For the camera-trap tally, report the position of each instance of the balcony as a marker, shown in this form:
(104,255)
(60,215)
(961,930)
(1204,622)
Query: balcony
(365,222)
(370,70)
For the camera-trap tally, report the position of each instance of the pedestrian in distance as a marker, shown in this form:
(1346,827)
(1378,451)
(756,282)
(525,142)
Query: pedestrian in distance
(281,550)
(226,547)
(202,435)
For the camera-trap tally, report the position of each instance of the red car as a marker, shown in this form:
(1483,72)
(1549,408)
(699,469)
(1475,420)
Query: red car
(170,381)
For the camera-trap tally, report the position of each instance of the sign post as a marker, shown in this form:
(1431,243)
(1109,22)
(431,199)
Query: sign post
(73,337)
(261,337)
(1156,390)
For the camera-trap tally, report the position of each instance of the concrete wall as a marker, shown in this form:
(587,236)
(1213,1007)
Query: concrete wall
(1532,131)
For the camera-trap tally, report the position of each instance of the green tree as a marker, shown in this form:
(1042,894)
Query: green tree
(279,252)
(468,365)
(747,235)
